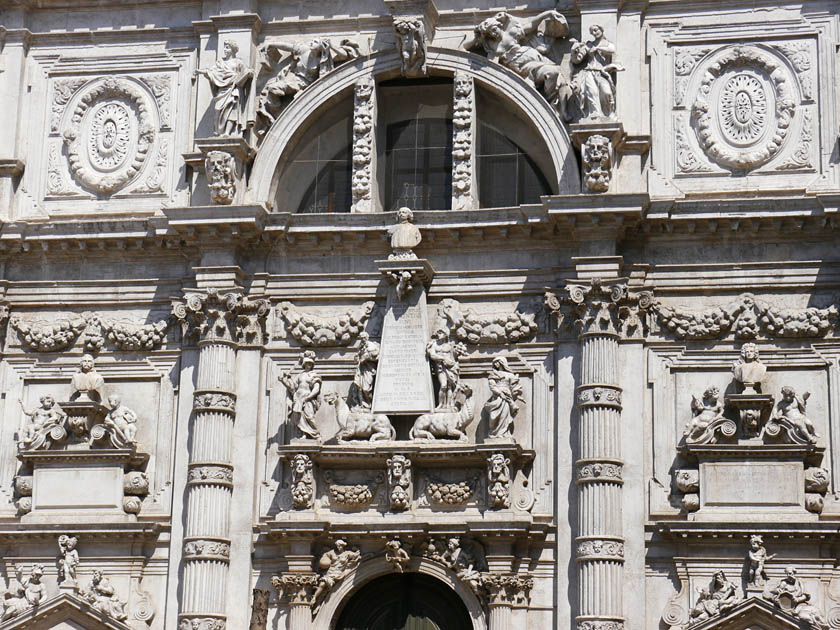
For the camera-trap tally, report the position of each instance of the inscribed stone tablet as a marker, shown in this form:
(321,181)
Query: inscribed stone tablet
(403,379)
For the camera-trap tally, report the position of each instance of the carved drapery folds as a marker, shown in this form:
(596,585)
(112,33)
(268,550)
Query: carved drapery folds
(746,318)
(594,80)
(229,78)
(317,331)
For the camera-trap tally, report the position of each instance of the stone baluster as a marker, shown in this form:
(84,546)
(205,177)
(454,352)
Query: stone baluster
(219,321)
(600,543)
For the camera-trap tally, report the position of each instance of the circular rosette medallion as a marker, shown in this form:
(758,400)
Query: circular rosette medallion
(743,108)
(109,136)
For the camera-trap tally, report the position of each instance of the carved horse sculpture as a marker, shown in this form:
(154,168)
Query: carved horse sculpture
(359,424)
(446,424)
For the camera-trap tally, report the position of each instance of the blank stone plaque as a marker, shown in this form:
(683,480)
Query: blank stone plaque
(403,380)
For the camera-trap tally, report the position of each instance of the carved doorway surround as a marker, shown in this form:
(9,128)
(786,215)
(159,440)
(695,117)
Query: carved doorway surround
(410,601)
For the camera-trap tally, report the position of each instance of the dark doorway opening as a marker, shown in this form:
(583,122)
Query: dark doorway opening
(411,601)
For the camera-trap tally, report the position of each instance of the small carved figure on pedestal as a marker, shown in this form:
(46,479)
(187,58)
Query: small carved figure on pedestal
(505,394)
(789,413)
(446,425)
(719,600)
(789,595)
(303,482)
(396,556)
(121,423)
(87,384)
(444,357)
(708,419)
(756,577)
(749,371)
(512,42)
(68,560)
(305,389)
(36,591)
(405,236)
(337,564)
(228,78)
(498,480)
(367,361)
(38,432)
(309,62)
(411,43)
(14,597)
(594,82)
(100,594)
(399,481)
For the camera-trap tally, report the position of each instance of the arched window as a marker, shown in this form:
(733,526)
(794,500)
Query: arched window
(414,140)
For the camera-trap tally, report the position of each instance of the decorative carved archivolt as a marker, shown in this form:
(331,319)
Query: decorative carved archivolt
(747,318)
(109,135)
(474,328)
(364,112)
(317,331)
(463,111)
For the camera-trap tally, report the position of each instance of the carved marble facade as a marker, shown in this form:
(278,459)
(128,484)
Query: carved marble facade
(528,311)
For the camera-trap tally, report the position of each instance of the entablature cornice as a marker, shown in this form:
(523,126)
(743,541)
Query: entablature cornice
(15,533)
(739,533)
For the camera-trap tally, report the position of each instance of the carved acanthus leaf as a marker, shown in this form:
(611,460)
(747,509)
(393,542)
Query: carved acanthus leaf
(317,331)
(222,316)
(747,318)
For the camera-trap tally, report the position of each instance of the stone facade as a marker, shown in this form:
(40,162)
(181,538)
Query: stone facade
(530,314)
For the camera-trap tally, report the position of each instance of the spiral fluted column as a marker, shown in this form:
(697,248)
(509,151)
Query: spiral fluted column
(220,322)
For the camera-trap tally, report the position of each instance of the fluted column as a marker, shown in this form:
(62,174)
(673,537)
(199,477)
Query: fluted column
(219,322)
(298,589)
(601,312)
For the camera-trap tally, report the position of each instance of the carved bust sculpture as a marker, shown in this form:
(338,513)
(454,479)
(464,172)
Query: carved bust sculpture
(87,384)
(749,371)
(405,236)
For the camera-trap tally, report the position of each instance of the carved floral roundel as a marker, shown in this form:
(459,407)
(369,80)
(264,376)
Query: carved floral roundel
(743,109)
(109,135)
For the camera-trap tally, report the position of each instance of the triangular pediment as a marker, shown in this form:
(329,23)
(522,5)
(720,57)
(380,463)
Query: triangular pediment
(752,614)
(64,612)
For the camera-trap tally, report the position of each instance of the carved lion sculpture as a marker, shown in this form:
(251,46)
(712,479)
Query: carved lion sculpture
(446,424)
(359,424)
(597,165)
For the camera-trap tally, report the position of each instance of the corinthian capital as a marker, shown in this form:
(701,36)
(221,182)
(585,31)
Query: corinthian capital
(217,316)
(297,588)
(608,307)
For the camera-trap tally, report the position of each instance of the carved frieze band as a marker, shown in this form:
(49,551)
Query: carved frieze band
(599,395)
(600,549)
(599,472)
(210,474)
(214,401)
(201,623)
(61,334)
(600,624)
(204,549)
(317,331)
(747,318)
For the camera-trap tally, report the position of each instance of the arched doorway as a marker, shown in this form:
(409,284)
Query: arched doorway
(409,601)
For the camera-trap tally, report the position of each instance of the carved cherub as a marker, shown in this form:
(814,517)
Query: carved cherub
(337,564)
(122,422)
(102,597)
(36,591)
(69,559)
(705,413)
(42,419)
(411,43)
(757,556)
(14,597)
(396,556)
(792,409)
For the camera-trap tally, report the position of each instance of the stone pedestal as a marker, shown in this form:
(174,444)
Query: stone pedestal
(752,409)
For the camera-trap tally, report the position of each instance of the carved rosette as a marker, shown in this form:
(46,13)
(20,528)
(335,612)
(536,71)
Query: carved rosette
(743,107)
(110,134)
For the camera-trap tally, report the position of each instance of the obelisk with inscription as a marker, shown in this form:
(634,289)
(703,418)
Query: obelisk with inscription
(403,378)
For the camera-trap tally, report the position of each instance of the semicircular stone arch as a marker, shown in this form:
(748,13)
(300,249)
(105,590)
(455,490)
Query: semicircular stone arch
(491,76)
(330,610)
